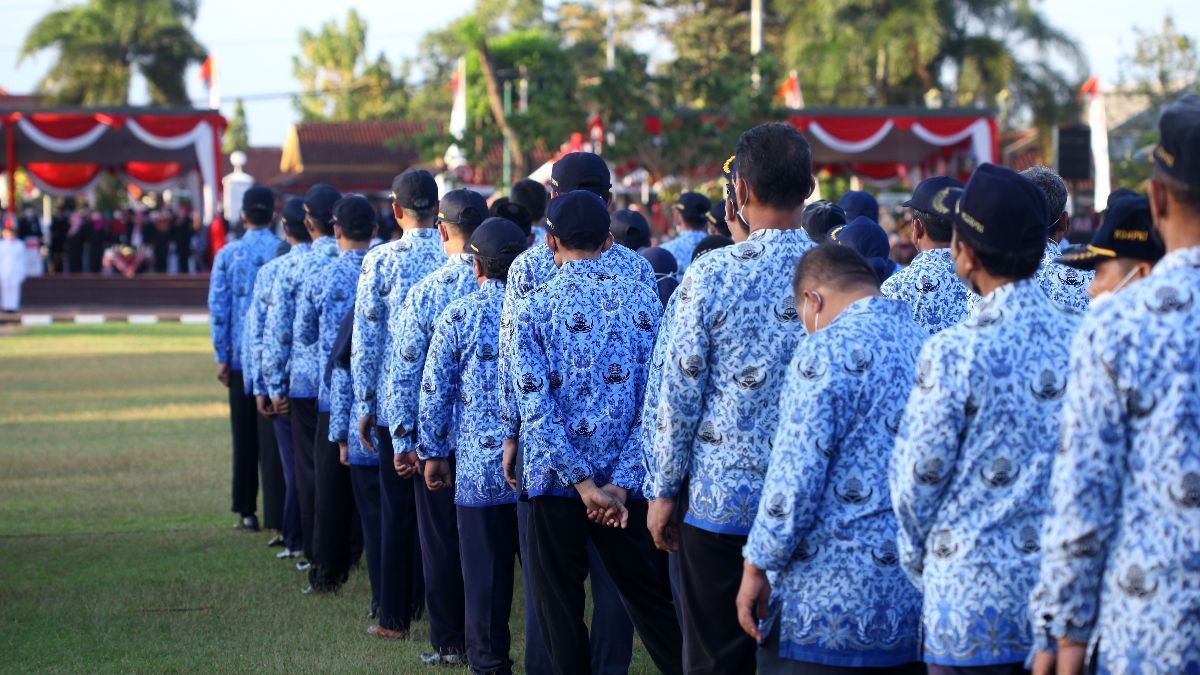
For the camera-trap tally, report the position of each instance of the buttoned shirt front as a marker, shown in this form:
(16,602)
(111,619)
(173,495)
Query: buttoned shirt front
(256,319)
(1121,566)
(289,368)
(971,469)
(931,288)
(389,270)
(683,246)
(324,301)
(732,336)
(460,407)
(584,342)
(230,290)
(411,329)
(825,530)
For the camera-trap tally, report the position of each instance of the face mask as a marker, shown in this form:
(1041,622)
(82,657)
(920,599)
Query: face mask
(1104,297)
(816,318)
(965,279)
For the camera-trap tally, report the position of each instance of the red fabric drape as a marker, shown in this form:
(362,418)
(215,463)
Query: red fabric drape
(152,172)
(64,176)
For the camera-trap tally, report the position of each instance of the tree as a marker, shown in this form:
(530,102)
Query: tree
(1162,63)
(100,43)
(237,134)
(338,80)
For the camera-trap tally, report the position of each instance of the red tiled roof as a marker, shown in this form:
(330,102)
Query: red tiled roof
(349,143)
(262,163)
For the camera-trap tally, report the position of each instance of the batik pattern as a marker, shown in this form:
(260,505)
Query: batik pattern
(291,369)
(230,290)
(931,288)
(325,299)
(683,246)
(256,319)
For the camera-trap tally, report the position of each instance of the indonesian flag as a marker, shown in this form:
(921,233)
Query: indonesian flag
(1093,95)
(455,158)
(789,92)
(208,73)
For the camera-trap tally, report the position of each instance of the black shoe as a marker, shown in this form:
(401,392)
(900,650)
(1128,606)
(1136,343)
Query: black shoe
(247,523)
(277,540)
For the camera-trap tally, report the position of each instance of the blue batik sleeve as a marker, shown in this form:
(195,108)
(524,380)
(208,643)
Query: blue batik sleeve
(277,335)
(439,391)
(220,306)
(341,399)
(366,354)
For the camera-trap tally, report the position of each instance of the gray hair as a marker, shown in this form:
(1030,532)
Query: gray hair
(1053,186)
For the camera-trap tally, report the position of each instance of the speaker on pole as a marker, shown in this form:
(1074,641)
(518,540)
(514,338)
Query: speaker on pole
(1073,151)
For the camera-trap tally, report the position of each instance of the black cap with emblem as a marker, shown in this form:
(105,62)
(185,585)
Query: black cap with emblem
(930,195)
(415,189)
(319,201)
(498,239)
(580,171)
(1127,232)
(1002,210)
(1178,150)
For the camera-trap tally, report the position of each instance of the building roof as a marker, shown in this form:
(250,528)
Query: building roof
(18,101)
(358,156)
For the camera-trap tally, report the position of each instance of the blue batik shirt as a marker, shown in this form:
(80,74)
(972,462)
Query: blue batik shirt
(649,419)
(460,408)
(584,342)
(1066,286)
(256,319)
(388,272)
(732,337)
(530,270)
(412,329)
(325,299)
(1121,566)
(289,368)
(931,287)
(343,428)
(971,471)
(825,531)
(230,289)
(683,246)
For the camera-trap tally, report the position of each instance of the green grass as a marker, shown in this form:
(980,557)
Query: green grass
(116,547)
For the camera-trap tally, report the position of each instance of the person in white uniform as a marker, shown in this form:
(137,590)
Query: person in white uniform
(12,270)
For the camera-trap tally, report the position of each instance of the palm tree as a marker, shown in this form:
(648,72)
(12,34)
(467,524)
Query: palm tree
(100,42)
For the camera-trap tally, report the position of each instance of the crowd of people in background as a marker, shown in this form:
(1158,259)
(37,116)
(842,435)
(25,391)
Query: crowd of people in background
(766,445)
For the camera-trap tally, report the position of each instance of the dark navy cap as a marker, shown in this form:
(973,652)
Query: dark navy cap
(506,208)
(258,200)
(716,216)
(693,205)
(821,216)
(293,211)
(577,212)
(415,189)
(710,243)
(319,201)
(629,228)
(863,235)
(858,203)
(354,214)
(580,170)
(1002,209)
(1127,232)
(1178,150)
(498,238)
(463,207)
(930,196)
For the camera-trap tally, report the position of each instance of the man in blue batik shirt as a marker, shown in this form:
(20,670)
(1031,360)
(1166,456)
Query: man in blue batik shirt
(929,284)
(822,584)
(275,459)
(324,301)
(230,291)
(461,436)
(691,225)
(732,334)
(584,342)
(1065,285)
(291,369)
(389,271)
(459,213)
(971,468)
(612,635)
(1120,567)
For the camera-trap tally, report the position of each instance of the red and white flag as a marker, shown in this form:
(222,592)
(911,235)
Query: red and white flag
(789,92)
(208,73)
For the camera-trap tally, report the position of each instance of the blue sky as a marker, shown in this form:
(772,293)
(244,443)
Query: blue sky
(255,41)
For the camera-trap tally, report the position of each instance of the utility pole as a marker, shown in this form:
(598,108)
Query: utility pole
(507,115)
(756,29)
(610,34)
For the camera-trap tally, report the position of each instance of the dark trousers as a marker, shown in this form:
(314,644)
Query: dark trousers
(293,537)
(1004,669)
(558,535)
(243,419)
(402,585)
(304,433)
(437,527)
(489,536)
(270,470)
(771,663)
(334,512)
(709,577)
(611,636)
(365,482)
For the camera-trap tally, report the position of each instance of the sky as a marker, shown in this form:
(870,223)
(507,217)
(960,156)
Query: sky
(254,42)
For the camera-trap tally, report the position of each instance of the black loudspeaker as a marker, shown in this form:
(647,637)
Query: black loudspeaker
(1074,155)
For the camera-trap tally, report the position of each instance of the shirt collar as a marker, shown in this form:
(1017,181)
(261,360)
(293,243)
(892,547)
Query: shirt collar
(419,233)
(460,259)
(582,267)
(1010,290)
(353,253)
(300,247)
(1179,259)
(768,236)
(492,286)
(1052,248)
(874,305)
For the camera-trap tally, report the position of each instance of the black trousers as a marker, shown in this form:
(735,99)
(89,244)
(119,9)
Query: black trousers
(611,632)
(1004,669)
(293,534)
(335,521)
(489,536)
(437,527)
(401,585)
(771,663)
(710,573)
(365,482)
(243,420)
(270,470)
(558,535)
(304,433)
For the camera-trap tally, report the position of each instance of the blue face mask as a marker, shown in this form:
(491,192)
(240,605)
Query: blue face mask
(816,318)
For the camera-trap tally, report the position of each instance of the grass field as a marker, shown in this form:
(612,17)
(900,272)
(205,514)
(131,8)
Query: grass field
(116,547)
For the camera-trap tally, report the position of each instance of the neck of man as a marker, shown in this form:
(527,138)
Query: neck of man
(766,218)
(455,245)
(986,283)
(345,244)
(927,244)
(1180,235)
(565,255)
(250,227)
(420,225)
(837,302)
